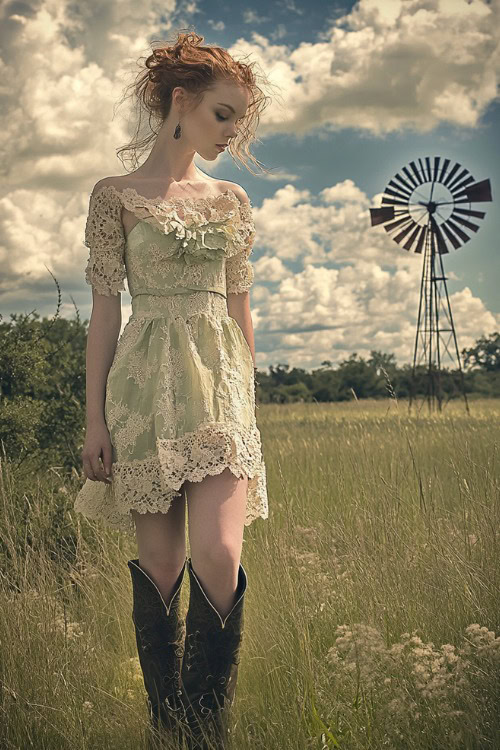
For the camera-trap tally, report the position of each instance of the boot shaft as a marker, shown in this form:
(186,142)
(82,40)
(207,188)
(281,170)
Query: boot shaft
(211,659)
(159,633)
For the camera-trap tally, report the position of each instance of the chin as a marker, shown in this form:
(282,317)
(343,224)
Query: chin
(209,155)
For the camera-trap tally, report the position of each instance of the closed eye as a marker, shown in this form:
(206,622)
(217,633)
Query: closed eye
(226,118)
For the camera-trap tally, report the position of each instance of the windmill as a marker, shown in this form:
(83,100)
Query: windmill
(427,207)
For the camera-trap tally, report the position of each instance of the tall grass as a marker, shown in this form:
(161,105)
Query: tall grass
(372,616)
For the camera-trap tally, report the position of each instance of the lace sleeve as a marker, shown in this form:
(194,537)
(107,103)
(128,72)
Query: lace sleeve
(239,269)
(105,238)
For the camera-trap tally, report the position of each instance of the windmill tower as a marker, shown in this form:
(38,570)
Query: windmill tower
(428,207)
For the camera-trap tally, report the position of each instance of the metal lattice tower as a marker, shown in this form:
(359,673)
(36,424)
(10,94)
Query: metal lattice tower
(428,207)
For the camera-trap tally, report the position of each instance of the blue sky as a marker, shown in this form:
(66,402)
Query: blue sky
(366,88)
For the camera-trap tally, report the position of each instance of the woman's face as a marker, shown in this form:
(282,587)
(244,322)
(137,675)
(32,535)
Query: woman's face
(216,119)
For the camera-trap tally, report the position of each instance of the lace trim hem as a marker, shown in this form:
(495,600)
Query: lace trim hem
(150,484)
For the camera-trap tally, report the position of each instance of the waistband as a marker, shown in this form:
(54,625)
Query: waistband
(182,303)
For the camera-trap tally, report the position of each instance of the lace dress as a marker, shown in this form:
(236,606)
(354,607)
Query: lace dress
(180,400)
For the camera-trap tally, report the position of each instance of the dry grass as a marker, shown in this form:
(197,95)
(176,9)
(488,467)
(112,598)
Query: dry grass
(372,613)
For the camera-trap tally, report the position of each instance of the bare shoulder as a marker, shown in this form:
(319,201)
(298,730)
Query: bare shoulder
(237,189)
(107,182)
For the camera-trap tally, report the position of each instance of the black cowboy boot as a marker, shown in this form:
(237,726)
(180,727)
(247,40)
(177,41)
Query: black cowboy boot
(210,664)
(160,645)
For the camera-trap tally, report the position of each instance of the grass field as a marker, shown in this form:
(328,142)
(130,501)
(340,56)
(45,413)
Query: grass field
(372,616)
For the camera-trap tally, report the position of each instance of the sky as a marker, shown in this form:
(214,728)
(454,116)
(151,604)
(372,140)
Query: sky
(360,89)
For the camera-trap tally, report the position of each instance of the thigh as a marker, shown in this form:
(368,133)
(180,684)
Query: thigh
(217,510)
(161,537)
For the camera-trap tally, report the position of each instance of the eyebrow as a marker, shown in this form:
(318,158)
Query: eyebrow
(228,106)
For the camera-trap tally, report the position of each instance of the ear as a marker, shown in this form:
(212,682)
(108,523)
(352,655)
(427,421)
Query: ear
(177,96)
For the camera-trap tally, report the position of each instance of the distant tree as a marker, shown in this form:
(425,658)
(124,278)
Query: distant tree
(279,373)
(358,375)
(379,360)
(42,389)
(485,354)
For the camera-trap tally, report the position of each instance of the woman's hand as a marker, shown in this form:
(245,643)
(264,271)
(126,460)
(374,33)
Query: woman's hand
(97,446)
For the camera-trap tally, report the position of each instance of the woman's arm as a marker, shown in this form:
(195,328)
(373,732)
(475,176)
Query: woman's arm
(238,307)
(103,333)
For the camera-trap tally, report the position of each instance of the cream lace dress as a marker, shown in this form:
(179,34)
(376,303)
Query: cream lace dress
(180,400)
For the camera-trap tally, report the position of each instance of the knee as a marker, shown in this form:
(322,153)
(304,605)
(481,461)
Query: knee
(161,565)
(222,555)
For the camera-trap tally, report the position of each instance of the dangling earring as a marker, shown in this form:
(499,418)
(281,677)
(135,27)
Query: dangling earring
(177,132)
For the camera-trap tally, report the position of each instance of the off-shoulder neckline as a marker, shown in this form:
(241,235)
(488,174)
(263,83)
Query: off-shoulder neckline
(160,200)
(173,201)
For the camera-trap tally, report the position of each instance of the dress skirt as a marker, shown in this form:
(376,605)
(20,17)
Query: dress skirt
(180,405)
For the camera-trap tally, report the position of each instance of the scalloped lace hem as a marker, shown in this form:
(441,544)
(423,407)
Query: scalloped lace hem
(150,484)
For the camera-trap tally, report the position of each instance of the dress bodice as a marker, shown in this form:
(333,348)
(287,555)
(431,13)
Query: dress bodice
(178,244)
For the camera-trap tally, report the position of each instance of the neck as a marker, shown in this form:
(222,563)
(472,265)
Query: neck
(169,158)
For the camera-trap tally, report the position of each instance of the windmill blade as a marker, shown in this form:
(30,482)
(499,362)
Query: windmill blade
(418,175)
(451,174)
(411,239)
(404,188)
(458,188)
(393,201)
(464,175)
(425,170)
(381,215)
(428,168)
(469,212)
(446,164)
(402,234)
(421,239)
(435,170)
(464,222)
(398,193)
(397,223)
(456,244)
(436,232)
(451,224)
(410,177)
(404,183)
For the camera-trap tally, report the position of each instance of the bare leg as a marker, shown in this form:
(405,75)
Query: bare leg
(217,507)
(161,541)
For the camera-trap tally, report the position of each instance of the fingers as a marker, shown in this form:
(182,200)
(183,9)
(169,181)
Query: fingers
(106,459)
(87,468)
(94,470)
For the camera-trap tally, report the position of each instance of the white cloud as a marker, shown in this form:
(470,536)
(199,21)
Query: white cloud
(334,228)
(251,16)
(321,313)
(64,67)
(387,66)
(216,25)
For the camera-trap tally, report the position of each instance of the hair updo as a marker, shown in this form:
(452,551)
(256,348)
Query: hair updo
(185,62)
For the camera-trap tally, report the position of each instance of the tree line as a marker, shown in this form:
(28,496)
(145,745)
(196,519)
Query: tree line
(42,385)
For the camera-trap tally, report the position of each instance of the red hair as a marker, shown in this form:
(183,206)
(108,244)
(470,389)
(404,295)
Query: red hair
(196,68)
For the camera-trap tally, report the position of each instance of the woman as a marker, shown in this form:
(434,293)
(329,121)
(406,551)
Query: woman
(171,403)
